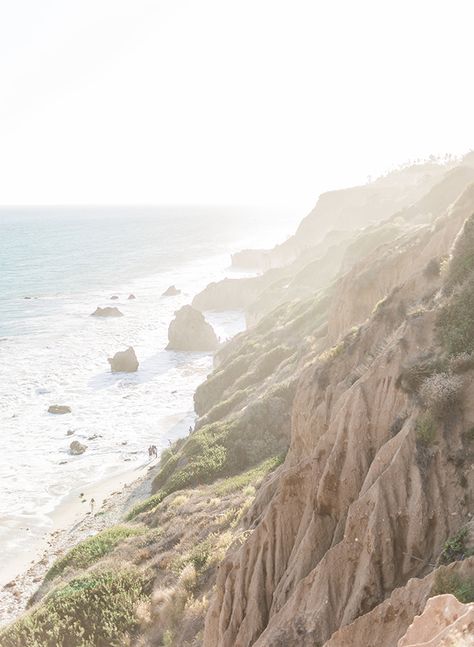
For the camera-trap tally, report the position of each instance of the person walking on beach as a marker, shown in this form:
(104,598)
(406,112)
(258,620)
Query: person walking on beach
(92,504)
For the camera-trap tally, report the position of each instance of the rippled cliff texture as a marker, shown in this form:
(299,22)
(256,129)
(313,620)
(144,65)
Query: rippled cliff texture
(325,494)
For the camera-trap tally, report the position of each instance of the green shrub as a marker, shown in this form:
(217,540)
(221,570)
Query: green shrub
(462,363)
(202,468)
(92,549)
(228,447)
(455,322)
(425,429)
(240,481)
(200,555)
(96,610)
(209,393)
(441,392)
(462,262)
(415,372)
(468,435)
(265,365)
(146,505)
(432,269)
(449,582)
(454,548)
(222,409)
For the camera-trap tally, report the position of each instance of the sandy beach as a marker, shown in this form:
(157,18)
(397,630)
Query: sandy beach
(72,522)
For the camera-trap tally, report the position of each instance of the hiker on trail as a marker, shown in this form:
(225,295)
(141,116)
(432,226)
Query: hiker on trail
(92,504)
(150,452)
(154,451)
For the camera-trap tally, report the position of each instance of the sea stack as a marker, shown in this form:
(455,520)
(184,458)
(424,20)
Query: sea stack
(189,331)
(76,448)
(108,311)
(172,291)
(125,361)
(59,409)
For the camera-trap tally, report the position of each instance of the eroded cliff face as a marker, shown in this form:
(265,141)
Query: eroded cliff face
(363,501)
(325,494)
(365,216)
(444,621)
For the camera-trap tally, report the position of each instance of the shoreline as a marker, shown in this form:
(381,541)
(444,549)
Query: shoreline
(72,522)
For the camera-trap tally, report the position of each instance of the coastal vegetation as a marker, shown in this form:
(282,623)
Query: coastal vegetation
(329,461)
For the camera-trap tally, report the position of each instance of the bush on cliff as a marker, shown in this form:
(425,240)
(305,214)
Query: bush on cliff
(455,323)
(96,610)
(462,262)
(92,549)
(462,587)
(455,547)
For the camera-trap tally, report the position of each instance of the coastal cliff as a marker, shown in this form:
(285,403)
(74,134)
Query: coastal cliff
(325,494)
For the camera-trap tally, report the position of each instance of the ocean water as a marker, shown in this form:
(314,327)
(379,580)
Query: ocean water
(58,265)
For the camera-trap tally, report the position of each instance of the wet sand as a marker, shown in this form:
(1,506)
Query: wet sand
(72,522)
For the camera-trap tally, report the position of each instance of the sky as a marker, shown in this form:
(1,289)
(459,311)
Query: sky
(225,101)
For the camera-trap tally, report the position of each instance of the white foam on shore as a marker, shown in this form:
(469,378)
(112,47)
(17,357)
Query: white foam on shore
(116,415)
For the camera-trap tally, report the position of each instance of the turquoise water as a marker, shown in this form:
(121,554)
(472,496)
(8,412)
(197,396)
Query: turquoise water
(68,262)
(49,253)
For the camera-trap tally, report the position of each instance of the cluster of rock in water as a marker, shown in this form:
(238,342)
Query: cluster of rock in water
(188,331)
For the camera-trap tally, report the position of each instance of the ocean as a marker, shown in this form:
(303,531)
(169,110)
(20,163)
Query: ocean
(56,266)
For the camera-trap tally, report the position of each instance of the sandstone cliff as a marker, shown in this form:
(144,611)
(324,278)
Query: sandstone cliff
(365,499)
(325,496)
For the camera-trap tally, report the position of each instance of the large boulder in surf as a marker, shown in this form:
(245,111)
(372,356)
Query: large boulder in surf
(191,332)
(76,448)
(172,291)
(108,311)
(59,409)
(125,361)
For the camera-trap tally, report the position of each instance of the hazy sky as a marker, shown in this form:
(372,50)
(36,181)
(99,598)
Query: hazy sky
(225,101)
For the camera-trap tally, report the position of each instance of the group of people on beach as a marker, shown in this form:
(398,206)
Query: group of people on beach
(152,452)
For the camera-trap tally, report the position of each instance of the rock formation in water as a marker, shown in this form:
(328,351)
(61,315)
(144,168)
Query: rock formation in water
(124,361)
(76,448)
(108,311)
(172,291)
(131,297)
(59,409)
(189,331)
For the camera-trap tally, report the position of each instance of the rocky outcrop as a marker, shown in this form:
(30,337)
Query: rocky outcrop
(250,259)
(131,297)
(125,361)
(444,622)
(108,311)
(76,448)
(309,260)
(172,291)
(258,295)
(361,504)
(189,331)
(326,492)
(231,294)
(389,622)
(59,409)
(358,207)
